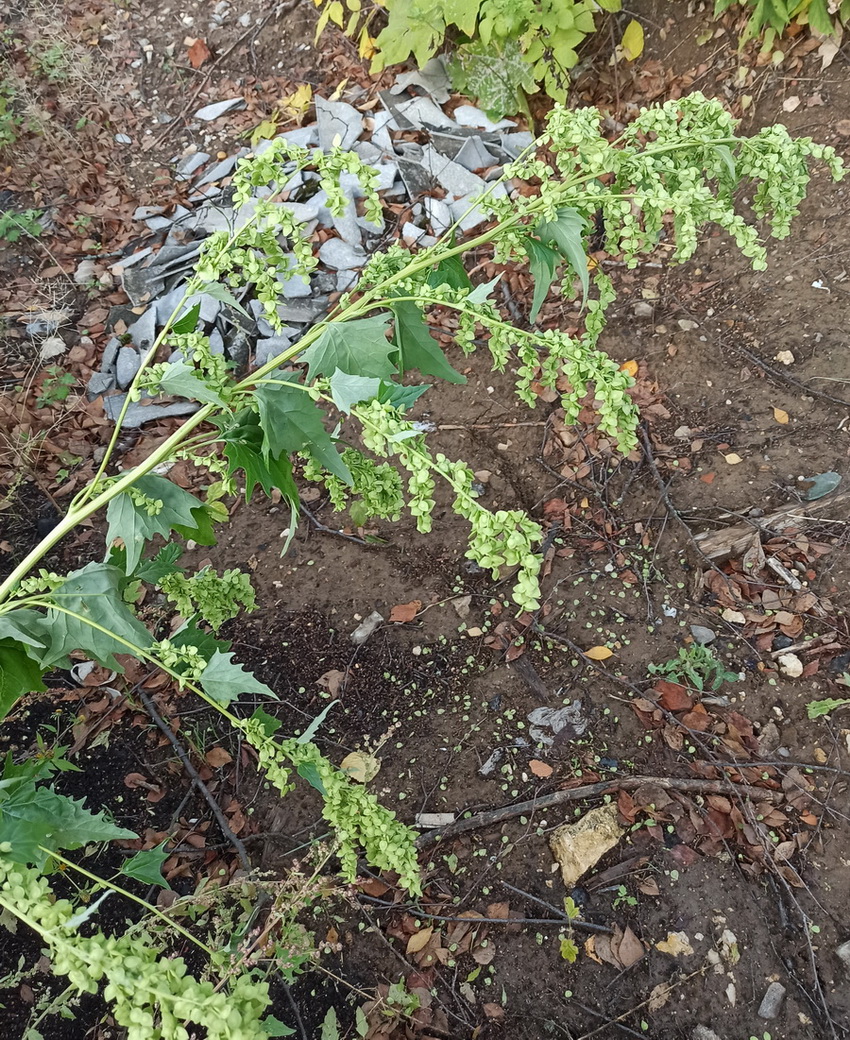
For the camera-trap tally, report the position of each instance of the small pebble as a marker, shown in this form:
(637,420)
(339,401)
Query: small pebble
(772,1001)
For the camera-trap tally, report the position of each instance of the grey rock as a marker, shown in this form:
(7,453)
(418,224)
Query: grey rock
(123,139)
(323,282)
(146,212)
(341,256)
(432,78)
(771,1002)
(270,347)
(127,364)
(382,123)
(467,215)
(843,954)
(175,357)
(110,354)
(450,175)
(159,223)
(703,635)
(304,136)
(439,215)
(86,271)
(769,738)
(219,108)
(219,171)
(399,120)
(216,342)
(411,233)
(140,412)
(469,115)
(337,118)
(387,173)
(366,628)
(304,312)
(130,261)
(345,280)
(703,1033)
(421,112)
(100,383)
(368,152)
(554,720)
(417,179)
(143,331)
(473,155)
(190,164)
(643,309)
(305,211)
(347,226)
(515,144)
(294,287)
(238,350)
(491,763)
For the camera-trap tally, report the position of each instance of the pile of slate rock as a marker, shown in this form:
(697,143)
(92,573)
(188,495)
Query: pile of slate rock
(155,275)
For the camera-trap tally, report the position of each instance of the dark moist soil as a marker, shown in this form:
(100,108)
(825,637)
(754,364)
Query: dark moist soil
(433,701)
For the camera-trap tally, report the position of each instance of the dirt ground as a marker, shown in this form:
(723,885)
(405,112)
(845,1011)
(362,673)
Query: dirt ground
(756,890)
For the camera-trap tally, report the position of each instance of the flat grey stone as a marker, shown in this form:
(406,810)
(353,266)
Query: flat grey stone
(439,215)
(123,139)
(843,954)
(347,227)
(110,354)
(337,118)
(341,256)
(399,120)
(345,280)
(382,123)
(216,342)
(703,635)
(145,212)
(450,175)
(417,179)
(422,112)
(473,155)
(304,312)
(304,211)
(190,164)
(175,357)
(238,350)
(704,1033)
(323,282)
(219,171)
(139,413)
(411,233)
(127,364)
(469,115)
(515,144)
(270,347)
(294,286)
(131,260)
(432,78)
(771,1002)
(303,136)
(368,152)
(159,223)
(100,383)
(468,217)
(219,108)
(143,331)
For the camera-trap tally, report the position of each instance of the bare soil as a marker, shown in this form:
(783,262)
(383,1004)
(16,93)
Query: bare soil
(435,698)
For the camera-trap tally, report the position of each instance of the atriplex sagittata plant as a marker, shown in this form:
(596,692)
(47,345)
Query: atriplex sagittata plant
(672,171)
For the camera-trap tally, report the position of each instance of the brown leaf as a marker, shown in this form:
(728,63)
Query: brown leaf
(198,53)
(484,954)
(659,996)
(218,757)
(493,1010)
(419,941)
(539,768)
(626,946)
(404,612)
(674,696)
(599,653)
(331,681)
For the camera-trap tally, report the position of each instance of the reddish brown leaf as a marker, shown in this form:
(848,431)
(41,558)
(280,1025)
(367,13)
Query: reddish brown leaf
(218,757)
(198,53)
(404,612)
(541,769)
(674,696)
(331,681)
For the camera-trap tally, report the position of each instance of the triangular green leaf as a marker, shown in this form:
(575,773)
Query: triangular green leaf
(187,322)
(543,262)
(190,635)
(480,293)
(181,380)
(25,626)
(566,234)
(225,680)
(450,271)
(310,773)
(146,866)
(19,675)
(401,397)
(274,1027)
(417,348)
(269,723)
(218,292)
(292,422)
(158,566)
(95,594)
(33,816)
(347,390)
(359,347)
(134,525)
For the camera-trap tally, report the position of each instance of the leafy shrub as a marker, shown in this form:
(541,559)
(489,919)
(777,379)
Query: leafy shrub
(673,170)
(502,49)
(770,18)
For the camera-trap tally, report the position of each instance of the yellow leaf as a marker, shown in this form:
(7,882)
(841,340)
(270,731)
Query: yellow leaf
(297,104)
(367,47)
(780,415)
(360,767)
(632,42)
(264,131)
(733,458)
(337,94)
(631,367)
(419,940)
(599,653)
(336,13)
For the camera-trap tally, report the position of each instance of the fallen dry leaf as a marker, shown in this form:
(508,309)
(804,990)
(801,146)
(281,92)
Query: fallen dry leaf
(541,769)
(198,53)
(599,653)
(780,415)
(733,458)
(676,944)
(404,612)
(631,367)
(579,846)
(331,681)
(217,757)
(360,767)
(419,940)
(791,104)
(659,996)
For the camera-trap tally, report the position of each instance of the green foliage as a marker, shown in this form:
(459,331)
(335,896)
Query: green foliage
(694,665)
(57,385)
(335,403)
(770,18)
(503,50)
(815,709)
(25,222)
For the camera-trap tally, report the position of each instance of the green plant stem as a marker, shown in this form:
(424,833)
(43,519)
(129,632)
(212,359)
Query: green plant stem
(103,883)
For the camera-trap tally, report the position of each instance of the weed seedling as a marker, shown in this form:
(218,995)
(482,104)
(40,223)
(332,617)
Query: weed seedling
(696,666)
(56,387)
